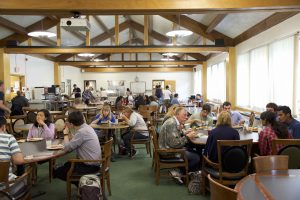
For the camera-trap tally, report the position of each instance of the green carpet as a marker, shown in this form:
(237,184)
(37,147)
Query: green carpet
(130,179)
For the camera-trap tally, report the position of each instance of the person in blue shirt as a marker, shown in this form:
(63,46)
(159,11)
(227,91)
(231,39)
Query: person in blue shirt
(105,116)
(175,99)
(285,116)
(236,117)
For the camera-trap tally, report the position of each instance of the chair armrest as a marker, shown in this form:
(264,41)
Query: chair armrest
(210,163)
(21,178)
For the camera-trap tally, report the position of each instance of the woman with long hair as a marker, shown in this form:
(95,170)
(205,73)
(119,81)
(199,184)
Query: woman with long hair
(104,116)
(43,126)
(272,130)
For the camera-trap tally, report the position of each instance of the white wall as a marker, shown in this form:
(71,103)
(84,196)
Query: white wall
(72,73)
(184,80)
(39,72)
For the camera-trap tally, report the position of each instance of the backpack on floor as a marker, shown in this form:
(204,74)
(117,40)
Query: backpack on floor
(194,185)
(90,188)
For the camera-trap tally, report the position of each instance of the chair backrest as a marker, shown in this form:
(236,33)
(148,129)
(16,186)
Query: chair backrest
(16,123)
(153,136)
(234,155)
(146,114)
(106,151)
(289,147)
(268,163)
(219,191)
(4,166)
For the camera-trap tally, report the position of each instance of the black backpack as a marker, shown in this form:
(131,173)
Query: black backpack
(90,188)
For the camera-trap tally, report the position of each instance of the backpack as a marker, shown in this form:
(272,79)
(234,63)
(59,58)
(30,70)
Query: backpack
(90,188)
(194,185)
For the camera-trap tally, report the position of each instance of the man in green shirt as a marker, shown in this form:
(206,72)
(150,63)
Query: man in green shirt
(202,118)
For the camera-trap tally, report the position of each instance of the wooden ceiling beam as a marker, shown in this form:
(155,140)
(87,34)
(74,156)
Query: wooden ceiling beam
(267,23)
(214,23)
(106,63)
(119,49)
(198,28)
(103,26)
(46,23)
(96,7)
(137,69)
(96,40)
(161,38)
(12,26)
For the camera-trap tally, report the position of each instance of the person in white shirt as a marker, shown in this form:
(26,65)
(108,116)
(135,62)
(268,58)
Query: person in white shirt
(167,94)
(103,94)
(137,124)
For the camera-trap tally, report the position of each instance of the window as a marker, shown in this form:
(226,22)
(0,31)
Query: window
(265,75)
(197,80)
(216,82)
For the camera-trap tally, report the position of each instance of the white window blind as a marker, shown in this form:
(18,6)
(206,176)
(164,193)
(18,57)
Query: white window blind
(265,75)
(198,81)
(216,82)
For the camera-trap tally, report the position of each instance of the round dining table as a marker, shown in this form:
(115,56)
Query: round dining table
(203,135)
(271,185)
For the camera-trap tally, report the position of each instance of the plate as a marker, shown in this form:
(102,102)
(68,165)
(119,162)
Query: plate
(34,139)
(237,127)
(55,147)
(21,141)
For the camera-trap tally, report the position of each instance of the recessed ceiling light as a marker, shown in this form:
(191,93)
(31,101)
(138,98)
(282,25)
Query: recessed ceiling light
(41,34)
(86,54)
(170,54)
(167,59)
(98,60)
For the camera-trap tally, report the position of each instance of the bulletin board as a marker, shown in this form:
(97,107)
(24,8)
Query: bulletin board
(138,87)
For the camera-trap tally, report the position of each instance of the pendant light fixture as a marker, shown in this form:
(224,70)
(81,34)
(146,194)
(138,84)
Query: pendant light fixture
(41,33)
(179,32)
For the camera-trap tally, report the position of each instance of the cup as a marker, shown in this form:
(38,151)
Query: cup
(48,143)
(187,126)
(116,121)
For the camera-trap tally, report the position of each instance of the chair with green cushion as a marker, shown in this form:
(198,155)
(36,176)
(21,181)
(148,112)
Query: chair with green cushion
(289,147)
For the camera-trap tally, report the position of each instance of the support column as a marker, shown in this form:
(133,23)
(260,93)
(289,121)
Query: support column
(117,30)
(57,79)
(204,81)
(231,77)
(5,72)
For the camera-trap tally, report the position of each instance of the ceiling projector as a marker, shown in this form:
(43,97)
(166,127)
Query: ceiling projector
(75,24)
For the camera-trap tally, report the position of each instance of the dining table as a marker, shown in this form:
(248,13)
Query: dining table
(203,135)
(270,185)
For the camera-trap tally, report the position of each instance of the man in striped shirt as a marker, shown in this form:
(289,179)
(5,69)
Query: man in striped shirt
(9,149)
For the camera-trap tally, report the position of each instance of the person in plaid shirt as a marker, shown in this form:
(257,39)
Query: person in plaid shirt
(272,130)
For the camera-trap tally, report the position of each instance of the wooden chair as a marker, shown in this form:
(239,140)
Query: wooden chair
(232,164)
(289,147)
(146,142)
(219,191)
(106,156)
(22,194)
(30,114)
(14,121)
(161,162)
(103,172)
(268,163)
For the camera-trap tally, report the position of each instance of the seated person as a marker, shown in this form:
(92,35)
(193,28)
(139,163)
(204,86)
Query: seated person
(17,103)
(175,99)
(170,113)
(136,123)
(223,131)
(153,101)
(272,107)
(86,144)
(119,102)
(236,117)
(272,130)
(10,151)
(42,127)
(285,116)
(172,136)
(105,116)
(202,118)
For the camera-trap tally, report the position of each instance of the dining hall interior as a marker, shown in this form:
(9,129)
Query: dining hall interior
(173,99)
